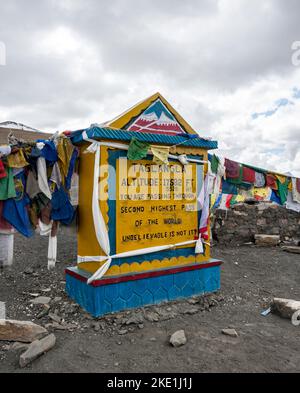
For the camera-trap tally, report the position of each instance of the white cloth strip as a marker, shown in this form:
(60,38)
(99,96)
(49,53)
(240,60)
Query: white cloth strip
(99,223)
(42,177)
(143,251)
(52,252)
(199,246)
(205,207)
(103,269)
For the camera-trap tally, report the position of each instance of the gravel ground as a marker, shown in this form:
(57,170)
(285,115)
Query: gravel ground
(138,341)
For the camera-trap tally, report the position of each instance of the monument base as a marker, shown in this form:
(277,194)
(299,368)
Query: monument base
(115,294)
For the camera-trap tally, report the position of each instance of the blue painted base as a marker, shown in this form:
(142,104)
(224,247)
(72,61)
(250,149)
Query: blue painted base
(105,298)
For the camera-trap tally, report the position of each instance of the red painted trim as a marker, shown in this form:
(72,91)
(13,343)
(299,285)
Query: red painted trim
(75,275)
(141,276)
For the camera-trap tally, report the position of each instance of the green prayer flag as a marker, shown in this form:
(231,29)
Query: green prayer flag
(283,190)
(7,186)
(137,150)
(214,164)
(233,200)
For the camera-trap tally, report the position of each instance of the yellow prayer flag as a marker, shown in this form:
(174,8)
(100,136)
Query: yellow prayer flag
(240,198)
(263,193)
(281,178)
(17,160)
(160,154)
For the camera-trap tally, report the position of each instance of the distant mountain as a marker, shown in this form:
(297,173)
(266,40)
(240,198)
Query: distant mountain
(21,132)
(17,126)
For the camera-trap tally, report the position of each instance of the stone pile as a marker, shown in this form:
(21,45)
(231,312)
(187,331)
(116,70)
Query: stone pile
(241,223)
(30,341)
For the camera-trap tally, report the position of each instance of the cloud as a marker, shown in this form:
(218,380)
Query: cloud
(296,93)
(71,63)
(271,142)
(278,104)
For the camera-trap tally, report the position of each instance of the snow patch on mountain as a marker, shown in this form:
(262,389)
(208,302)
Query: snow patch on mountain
(17,126)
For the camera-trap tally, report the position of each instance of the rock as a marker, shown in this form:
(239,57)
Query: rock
(237,213)
(64,326)
(166,316)
(46,290)
(71,308)
(178,339)
(230,332)
(56,326)
(191,311)
(135,319)
(19,347)
(193,301)
(96,326)
(71,326)
(151,316)
(285,307)
(54,317)
(262,221)
(41,300)
(23,331)
(267,240)
(36,349)
(293,250)
(28,271)
(213,302)
(123,332)
(44,312)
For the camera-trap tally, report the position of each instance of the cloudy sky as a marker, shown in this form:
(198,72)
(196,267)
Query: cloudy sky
(226,65)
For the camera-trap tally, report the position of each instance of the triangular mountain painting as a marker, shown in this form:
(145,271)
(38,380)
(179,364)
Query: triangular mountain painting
(153,115)
(156,119)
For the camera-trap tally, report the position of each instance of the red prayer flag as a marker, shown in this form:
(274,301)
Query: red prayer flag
(271,182)
(4,225)
(232,169)
(298,185)
(248,175)
(3,173)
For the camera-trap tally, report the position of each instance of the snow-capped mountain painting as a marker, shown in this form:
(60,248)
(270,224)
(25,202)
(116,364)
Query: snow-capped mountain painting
(156,119)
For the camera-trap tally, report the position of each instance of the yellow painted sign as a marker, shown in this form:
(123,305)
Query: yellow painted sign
(156,205)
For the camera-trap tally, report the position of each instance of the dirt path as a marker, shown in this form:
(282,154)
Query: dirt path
(251,277)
